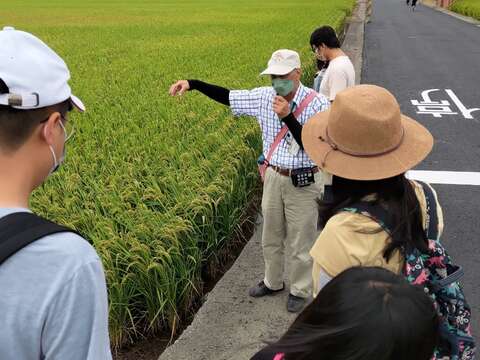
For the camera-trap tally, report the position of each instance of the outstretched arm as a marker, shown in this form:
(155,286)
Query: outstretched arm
(214,92)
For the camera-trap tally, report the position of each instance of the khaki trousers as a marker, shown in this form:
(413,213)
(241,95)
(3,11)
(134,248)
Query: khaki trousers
(290,217)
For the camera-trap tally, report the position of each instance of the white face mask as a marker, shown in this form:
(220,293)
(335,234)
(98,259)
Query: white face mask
(56,164)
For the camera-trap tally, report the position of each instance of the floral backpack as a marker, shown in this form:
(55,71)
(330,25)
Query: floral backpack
(439,276)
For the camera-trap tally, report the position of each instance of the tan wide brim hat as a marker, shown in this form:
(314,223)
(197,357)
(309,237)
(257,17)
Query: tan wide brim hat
(364,136)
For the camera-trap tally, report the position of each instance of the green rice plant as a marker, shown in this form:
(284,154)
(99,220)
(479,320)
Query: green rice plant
(467,7)
(158,184)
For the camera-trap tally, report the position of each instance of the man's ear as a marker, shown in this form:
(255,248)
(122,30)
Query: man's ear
(299,73)
(50,127)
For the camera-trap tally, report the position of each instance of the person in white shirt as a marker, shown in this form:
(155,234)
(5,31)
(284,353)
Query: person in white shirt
(340,73)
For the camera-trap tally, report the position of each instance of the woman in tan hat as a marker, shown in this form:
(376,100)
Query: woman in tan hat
(367,145)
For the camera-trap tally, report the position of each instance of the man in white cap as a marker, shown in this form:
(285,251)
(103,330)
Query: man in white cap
(292,182)
(54,297)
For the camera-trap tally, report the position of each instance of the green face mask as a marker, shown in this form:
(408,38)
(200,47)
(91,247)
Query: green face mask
(283,87)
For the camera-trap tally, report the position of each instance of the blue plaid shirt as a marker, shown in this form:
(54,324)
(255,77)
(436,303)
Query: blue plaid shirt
(258,102)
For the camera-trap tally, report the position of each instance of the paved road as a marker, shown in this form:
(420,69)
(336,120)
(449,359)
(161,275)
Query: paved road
(410,52)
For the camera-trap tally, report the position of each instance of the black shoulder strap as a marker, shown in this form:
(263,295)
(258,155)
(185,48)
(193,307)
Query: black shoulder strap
(19,229)
(432,215)
(382,216)
(376,212)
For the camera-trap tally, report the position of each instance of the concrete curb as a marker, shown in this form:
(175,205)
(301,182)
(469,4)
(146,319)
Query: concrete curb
(467,19)
(230,325)
(353,43)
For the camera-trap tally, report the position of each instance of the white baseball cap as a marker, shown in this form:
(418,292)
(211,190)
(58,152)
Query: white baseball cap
(34,74)
(282,62)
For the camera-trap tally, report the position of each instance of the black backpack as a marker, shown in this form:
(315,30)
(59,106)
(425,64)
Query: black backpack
(19,229)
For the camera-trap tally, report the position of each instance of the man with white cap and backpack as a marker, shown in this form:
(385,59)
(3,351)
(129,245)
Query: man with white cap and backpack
(54,298)
(292,183)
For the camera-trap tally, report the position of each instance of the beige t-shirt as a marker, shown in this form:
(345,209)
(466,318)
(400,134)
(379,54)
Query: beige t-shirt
(341,245)
(339,75)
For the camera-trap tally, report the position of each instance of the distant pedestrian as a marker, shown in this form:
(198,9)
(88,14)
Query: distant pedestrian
(340,73)
(414,4)
(364,313)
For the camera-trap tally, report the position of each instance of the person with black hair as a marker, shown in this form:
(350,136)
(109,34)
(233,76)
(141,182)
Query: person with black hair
(54,295)
(367,145)
(414,5)
(364,313)
(340,72)
(376,216)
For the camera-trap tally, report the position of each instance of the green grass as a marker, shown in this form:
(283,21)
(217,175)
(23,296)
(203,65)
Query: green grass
(467,7)
(158,184)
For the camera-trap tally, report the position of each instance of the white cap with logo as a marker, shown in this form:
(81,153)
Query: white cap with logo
(34,74)
(282,62)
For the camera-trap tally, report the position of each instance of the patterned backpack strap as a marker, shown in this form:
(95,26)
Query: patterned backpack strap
(431,227)
(454,272)
(444,287)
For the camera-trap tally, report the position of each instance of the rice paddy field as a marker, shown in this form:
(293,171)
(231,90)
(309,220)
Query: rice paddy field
(158,184)
(467,7)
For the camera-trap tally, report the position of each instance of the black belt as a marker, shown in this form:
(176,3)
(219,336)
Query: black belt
(288,172)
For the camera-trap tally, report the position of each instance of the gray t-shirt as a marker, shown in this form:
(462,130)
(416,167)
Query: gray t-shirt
(53,301)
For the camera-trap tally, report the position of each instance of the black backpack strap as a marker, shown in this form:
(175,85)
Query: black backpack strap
(19,229)
(432,214)
(375,211)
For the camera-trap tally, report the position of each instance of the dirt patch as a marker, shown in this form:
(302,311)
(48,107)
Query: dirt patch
(148,349)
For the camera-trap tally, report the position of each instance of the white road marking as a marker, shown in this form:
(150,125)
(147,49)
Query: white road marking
(440,108)
(467,113)
(445,177)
